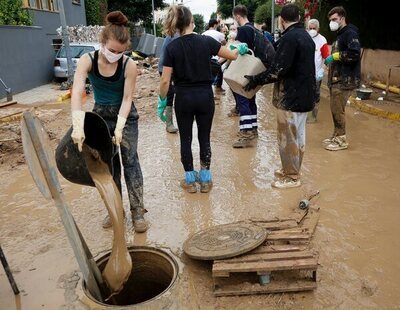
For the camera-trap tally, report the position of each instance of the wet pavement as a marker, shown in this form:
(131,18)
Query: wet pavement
(357,234)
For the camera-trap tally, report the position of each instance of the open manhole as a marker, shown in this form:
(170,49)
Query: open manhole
(153,273)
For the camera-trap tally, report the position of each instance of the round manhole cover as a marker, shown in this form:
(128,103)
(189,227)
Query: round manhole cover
(224,241)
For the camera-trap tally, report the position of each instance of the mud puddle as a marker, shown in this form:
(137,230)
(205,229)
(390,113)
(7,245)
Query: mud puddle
(357,235)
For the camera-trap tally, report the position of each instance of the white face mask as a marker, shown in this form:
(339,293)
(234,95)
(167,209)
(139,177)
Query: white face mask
(110,56)
(232,35)
(312,33)
(334,25)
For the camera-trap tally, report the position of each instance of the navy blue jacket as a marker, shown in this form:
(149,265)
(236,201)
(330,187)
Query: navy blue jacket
(347,71)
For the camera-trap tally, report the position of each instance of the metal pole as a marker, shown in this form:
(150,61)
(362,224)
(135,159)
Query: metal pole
(234,3)
(273,17)
(154,18)
(65,37)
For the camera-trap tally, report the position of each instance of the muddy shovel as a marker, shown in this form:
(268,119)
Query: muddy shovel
(42,166)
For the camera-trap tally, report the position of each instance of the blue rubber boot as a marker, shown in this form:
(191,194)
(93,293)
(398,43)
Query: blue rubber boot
(205,179)
(189,183)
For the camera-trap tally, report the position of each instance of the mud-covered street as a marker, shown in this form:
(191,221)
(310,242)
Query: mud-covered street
(357,235)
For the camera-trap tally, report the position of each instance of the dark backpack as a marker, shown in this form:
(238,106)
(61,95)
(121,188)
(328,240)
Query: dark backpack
(263,48)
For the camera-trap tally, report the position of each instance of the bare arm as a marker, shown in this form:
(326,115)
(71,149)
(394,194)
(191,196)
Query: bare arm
(165,81)
(81,73)
(129,88)
(226,53)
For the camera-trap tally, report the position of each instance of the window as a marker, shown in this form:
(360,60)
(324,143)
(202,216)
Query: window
(46,5)
(76,51)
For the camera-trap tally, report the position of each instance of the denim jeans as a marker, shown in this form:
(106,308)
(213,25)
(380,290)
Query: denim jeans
(130,160)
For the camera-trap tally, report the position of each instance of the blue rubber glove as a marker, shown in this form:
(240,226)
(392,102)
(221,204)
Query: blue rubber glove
(241,47)
(161,104)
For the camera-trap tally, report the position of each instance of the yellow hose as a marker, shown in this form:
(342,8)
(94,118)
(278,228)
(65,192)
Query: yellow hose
(393,89)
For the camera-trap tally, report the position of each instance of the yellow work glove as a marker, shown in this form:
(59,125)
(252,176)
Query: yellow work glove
(118,130)
(78,132)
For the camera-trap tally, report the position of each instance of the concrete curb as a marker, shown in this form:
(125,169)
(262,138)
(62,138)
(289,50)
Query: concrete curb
(365,107)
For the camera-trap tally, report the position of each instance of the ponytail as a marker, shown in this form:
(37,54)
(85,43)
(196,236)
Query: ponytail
(178,18)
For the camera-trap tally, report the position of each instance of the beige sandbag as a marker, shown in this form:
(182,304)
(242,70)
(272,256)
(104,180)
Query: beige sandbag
(244,65)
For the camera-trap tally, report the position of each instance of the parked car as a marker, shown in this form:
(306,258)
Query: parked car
(77,50)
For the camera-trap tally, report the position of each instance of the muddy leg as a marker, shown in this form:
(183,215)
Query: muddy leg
(130,162)
(291,152)
(338,100)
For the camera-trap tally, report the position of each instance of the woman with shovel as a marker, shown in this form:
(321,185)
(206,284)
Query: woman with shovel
(113,77)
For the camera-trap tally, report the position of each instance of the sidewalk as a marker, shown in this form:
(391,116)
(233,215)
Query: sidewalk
(47,93)
(388,108)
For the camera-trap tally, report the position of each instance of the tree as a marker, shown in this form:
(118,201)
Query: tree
(96,11)
(12,13)
(225,7)
(213,15)
(136,10)
(264,12)
(199,22)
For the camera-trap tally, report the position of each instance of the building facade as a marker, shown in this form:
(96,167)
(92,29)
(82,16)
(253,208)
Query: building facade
(27,52)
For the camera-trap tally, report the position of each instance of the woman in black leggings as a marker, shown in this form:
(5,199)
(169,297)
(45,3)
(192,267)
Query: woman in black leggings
(189,59)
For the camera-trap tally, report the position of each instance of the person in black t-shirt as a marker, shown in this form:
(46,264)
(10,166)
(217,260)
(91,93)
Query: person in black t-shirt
(189,59)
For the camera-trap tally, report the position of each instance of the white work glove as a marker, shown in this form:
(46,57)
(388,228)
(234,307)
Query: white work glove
(118,130)
(78,132)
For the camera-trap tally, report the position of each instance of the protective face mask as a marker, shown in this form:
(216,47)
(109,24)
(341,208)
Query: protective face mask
(232,34)
(110,56)
(334,25)
(312,33)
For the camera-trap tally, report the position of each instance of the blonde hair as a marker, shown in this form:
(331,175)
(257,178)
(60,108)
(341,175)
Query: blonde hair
(116,28)
(178,18)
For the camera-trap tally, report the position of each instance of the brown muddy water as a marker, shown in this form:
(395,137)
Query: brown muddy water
(119,266)
(357,235)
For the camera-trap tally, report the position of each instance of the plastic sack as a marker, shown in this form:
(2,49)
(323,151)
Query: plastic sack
(246,64)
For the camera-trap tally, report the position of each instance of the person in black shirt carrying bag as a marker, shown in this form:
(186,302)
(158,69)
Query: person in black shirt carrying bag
(293,72)
(189,59)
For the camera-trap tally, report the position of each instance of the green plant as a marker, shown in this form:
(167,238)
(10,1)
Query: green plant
(199,22)
(96,11)
(264,12)
(12,13)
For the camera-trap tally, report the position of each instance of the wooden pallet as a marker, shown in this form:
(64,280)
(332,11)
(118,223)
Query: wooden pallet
(266,264)
(284,263)
(7,103)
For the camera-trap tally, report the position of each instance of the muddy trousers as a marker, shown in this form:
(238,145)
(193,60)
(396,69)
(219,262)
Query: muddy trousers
(194,103)
(314,113)
(291,141)
(248,112)
(130,160)
(338,100)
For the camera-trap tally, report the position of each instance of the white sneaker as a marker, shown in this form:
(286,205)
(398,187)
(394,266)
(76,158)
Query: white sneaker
(328,140)
(279,173)
(286,183)
(338,143)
